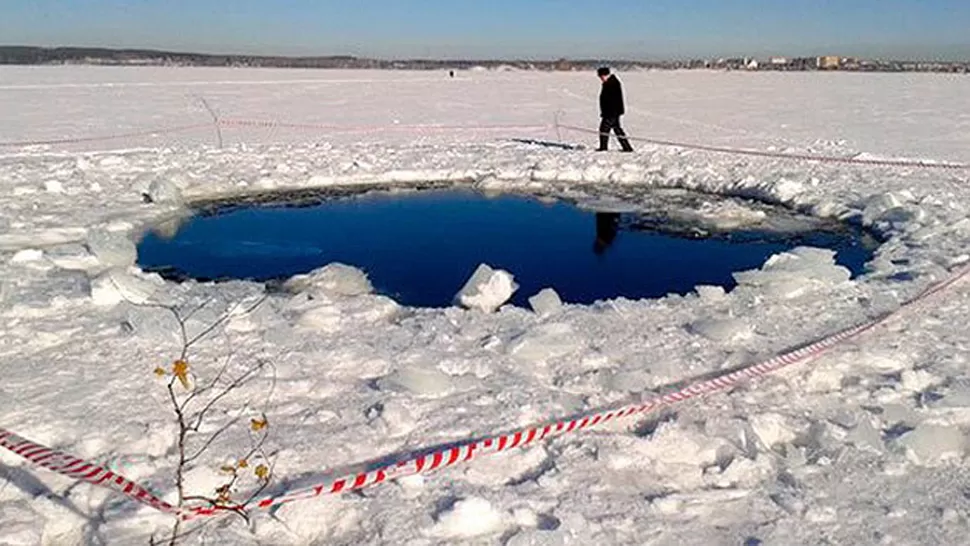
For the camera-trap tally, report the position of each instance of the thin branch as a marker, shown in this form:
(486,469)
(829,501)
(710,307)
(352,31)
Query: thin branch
(272,383)
(184,334)
(181,442)
(226,316)
(180,469)
(215,435)
(188,425)
(198,391)
(237,509)
(176,536)
(215,120)
(225,392)
(199,308)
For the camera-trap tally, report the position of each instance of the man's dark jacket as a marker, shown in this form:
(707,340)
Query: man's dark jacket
(611,98)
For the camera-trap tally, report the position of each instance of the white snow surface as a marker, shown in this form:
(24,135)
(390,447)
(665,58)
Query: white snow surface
(867,445)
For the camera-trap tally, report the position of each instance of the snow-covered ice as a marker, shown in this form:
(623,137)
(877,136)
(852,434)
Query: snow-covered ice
(866,445)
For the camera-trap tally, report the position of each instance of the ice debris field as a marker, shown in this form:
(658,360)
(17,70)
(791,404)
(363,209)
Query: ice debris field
(312,411)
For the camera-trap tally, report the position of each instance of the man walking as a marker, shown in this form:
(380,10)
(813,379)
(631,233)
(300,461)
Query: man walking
(611,108)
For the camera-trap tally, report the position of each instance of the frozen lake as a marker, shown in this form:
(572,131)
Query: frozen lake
(912,115)
(867,444)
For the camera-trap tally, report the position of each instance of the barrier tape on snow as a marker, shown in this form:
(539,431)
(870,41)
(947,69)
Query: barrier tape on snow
(274,124)
(432,459)
(781,155)
(271,124)
(104,138)
(79,469)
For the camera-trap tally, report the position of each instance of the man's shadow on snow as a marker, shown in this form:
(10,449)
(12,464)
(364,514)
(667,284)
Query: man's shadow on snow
(548,144)
(113,506)
(33,488)
(29,485)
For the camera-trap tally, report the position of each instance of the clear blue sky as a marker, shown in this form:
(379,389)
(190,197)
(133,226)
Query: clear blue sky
(501,28)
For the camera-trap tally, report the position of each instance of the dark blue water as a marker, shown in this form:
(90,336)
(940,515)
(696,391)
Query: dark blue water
(420,248)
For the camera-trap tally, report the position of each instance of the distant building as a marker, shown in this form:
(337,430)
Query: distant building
(562,64)
(779,61)
(828,62)
(731,64)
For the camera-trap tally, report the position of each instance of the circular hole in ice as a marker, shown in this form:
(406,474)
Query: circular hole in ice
(420,247)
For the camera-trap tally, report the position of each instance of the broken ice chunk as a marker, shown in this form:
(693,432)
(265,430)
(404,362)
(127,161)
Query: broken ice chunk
(487,289)
(334,279)
(420,381)
(163,191)
(931,444)
(118,284)
(793,273)
(721,329)
(112,248)
(546,302)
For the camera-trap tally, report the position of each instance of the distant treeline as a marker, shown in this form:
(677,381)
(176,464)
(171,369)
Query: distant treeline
(92,55)
(106,56)
(147,57)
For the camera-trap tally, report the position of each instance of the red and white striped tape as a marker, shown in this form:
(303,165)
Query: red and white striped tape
(274,124)
(79,469)
(441,457)
(781,155)
(104,138)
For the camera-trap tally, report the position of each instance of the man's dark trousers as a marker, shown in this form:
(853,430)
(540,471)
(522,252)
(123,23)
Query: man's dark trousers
(608,124)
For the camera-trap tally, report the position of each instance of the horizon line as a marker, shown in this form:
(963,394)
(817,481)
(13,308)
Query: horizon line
(155,50)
